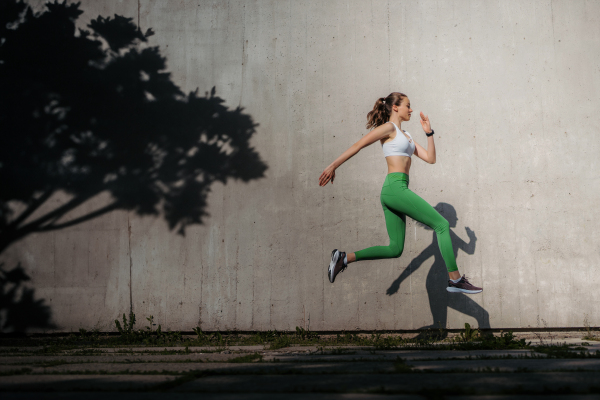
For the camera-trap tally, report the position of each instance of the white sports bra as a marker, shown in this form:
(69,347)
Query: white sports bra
(400,145)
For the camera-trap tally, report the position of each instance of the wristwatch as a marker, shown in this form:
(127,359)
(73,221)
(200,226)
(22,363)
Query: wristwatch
(431,133)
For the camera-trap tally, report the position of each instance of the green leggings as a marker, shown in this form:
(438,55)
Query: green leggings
(398,201)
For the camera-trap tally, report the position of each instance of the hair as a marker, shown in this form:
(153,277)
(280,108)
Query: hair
(380,114)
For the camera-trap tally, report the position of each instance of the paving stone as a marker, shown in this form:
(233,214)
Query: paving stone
(80,382)
(7,368)
(474,383)
(192,357)
(293,371)
(246,368)
(551,340)
(528,397)
(205,396)
(394,354)
(308,367)
(508,365)
(176,348)
(391,355)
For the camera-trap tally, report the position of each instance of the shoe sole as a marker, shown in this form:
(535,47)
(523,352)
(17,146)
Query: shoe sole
(334,259)
(457,290)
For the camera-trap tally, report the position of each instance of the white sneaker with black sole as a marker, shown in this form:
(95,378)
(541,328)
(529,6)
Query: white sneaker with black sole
(337,264)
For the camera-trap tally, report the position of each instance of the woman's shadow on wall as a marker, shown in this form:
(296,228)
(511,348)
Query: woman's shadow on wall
(440,299)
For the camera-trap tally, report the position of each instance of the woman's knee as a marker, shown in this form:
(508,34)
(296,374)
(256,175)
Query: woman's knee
(396,250)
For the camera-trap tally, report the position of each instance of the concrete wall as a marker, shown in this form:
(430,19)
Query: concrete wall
(512,90)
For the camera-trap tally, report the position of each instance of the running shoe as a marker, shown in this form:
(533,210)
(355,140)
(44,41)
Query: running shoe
(463,286)
(337,264)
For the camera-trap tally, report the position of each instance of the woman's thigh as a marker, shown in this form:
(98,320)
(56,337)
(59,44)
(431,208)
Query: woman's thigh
(395,223)
(407,202)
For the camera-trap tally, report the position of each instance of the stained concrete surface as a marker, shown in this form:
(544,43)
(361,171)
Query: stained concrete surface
(282,356)
(228,396)
(481,383)
(340,372)
(318,367)
(511,88)
(80,382)
(277,396)
(270,396)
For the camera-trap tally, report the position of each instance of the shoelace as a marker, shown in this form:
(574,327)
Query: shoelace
(464,280)
(344,266)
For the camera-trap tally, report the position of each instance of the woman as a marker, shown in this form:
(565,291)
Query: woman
(396,199)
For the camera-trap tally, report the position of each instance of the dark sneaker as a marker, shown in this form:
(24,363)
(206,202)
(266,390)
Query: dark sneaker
(337,264)
(463,286)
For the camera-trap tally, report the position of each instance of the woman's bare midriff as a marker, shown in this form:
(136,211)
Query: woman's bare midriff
(398,164)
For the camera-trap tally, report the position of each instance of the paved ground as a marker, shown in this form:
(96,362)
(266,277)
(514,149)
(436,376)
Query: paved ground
(300,372)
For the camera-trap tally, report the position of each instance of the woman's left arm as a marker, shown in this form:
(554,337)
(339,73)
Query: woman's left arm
(426,155)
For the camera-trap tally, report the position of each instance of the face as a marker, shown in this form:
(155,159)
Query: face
(404,109)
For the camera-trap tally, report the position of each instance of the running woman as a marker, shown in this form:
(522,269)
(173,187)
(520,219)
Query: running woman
(397,200)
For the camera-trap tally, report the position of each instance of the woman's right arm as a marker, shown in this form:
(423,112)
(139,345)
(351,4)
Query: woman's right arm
(382,131)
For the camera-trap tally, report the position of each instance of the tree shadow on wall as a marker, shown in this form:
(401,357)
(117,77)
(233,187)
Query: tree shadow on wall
(437,278)
(19,310)
(84,112)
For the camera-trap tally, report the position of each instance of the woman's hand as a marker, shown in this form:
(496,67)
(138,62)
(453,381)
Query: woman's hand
(326,176)
(470,233)
(425,123)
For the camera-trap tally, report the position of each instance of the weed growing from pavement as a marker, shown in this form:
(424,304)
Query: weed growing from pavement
(590,334)
(89,343)
(148,336)
(280,342)
(469,334)
(473,339)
